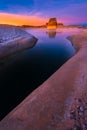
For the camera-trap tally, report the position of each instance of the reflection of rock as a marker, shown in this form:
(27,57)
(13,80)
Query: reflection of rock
(52,24)
(0,39)
(16,46)
(51,34)
(6,60)
(59,32)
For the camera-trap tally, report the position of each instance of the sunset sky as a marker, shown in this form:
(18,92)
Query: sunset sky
(37,12)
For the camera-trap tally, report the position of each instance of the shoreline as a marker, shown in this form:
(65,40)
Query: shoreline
(48,107)
(16,46)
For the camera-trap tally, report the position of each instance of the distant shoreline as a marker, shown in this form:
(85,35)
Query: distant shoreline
(64,26)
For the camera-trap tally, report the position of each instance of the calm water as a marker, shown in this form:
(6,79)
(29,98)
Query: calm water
(22,73)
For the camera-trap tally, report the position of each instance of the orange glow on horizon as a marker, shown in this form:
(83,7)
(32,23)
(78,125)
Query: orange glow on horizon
(13,19)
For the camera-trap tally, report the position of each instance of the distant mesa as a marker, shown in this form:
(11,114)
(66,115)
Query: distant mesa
(31,26)
(52,24)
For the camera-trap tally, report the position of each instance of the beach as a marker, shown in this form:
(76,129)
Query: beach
(14,39)
(49,106)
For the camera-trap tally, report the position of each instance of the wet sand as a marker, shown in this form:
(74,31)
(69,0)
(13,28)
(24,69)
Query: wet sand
(48,107)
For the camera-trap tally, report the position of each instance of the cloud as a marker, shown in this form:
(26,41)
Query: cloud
(76,12)
(69,14)
(22,10)
(14,19)
(41,11)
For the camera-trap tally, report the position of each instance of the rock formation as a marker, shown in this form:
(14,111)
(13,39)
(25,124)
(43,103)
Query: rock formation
(60,25)
(52,24)
(14,40)
(52,104)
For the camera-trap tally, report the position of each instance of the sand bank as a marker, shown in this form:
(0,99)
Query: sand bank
(48,107)
(13,40)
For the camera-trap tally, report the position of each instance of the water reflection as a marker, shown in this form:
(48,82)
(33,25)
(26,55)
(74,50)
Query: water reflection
(8,60)
(51,33)
(27,70)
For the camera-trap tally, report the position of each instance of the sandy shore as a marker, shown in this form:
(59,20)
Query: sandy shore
(13,40)
(49,106)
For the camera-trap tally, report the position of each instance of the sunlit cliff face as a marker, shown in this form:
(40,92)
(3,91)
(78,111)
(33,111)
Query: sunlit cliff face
(52,24)
(51,27)
(13,19)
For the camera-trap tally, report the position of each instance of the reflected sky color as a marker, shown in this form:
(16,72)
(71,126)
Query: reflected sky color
(30,68)
(37,12)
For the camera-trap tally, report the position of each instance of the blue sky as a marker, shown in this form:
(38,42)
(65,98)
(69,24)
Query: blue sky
(70,11)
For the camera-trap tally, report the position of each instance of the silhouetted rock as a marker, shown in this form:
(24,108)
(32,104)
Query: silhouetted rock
(60,25)
(52,24)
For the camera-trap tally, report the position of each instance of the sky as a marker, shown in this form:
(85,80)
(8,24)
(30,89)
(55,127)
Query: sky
(38,12)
